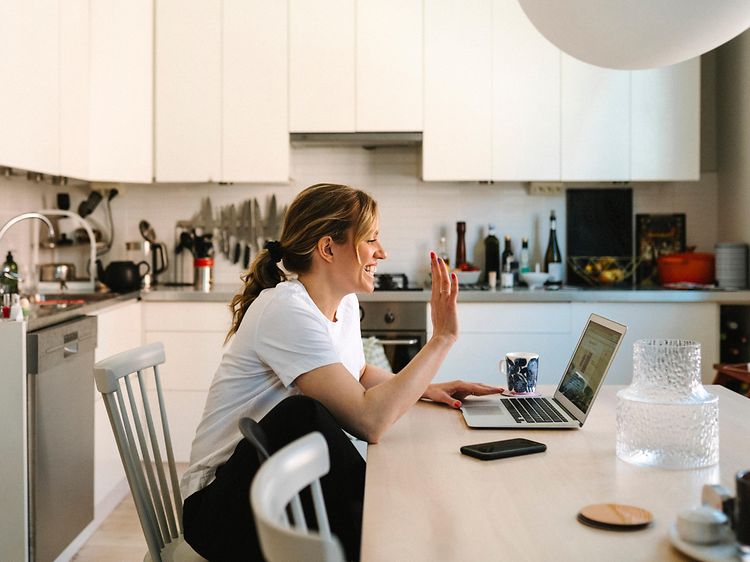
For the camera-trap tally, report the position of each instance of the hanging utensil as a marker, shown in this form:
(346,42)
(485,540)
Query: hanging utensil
(233,234)
(147,231)
(269,227)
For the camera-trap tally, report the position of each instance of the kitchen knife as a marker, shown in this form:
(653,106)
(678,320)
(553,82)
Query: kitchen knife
(270,229)
(223,232)
(232,218)
(247,232)
(258,225)
(241,236)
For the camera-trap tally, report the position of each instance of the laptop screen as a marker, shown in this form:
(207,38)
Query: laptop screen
(589,364)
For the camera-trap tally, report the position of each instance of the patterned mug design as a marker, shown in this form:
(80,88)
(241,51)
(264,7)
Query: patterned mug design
(522,370)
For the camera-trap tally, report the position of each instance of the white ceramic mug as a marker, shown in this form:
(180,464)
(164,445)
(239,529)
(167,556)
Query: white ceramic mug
(702,525)
(522,370)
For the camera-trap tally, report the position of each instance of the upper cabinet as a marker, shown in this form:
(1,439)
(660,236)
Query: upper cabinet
(209,90)
(321,66)
(457,141)
(355,65)
(389,85)
(188,91)
(595,132)
(525,98)
(665,123)
(552,117)
(221,91)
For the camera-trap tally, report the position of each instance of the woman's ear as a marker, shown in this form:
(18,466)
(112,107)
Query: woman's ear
(325,248)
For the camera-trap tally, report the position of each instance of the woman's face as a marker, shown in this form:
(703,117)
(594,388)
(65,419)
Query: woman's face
(358,275)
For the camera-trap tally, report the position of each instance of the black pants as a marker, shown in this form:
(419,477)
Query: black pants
(218,519)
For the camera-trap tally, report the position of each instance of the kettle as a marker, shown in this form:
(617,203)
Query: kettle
(122,276)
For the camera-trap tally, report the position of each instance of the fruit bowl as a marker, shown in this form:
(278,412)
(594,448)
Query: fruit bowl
(535,279)
(603,271)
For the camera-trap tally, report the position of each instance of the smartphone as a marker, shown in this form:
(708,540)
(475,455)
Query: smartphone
(503,449)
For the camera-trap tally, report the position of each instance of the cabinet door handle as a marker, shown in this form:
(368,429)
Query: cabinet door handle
(399,342)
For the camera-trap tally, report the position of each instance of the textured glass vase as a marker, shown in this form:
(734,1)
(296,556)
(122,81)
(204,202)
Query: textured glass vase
(666,418)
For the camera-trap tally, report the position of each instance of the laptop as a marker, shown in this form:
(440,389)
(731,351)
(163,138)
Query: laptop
(575,394)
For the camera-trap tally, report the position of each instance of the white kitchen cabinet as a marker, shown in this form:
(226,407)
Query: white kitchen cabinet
(119,328)
(322,66)
(389,63)
(255,130)
(490,330)
(692,321)
(193,336)
(221,91)
(595,133)
(525,98)
(188,91)
(30,93)
(120,91)
(665,123)
(457,141)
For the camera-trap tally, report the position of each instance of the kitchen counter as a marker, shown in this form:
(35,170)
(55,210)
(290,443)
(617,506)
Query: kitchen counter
(42,316)
(224,293)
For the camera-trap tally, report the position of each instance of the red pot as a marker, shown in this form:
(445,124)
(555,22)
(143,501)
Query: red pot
(686,267)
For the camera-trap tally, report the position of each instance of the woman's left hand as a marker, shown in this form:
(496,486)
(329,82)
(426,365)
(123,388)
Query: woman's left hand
(453,392)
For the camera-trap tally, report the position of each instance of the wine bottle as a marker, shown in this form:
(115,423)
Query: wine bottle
(507,251)
(460,244)
(552,257)
(491,254)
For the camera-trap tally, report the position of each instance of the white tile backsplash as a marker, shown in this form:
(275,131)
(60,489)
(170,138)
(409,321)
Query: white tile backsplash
(414,214)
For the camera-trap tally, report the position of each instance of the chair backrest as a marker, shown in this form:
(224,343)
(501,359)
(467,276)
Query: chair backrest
(279,480)
(142,436)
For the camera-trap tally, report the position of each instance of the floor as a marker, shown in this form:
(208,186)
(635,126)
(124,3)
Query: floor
(119,539)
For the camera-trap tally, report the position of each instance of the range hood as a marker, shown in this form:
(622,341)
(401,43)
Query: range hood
(365,140)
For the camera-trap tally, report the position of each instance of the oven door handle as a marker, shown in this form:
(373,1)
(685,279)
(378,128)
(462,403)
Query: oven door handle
(413,341)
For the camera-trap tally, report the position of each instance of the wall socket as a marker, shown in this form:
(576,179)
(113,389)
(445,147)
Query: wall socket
(546,188)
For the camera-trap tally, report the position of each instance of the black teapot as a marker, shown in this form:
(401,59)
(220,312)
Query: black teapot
(122,276)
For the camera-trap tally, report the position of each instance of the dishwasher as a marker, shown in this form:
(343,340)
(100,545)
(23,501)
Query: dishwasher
(60,394)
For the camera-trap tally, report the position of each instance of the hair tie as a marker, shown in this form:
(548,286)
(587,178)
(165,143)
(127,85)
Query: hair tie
(274,250)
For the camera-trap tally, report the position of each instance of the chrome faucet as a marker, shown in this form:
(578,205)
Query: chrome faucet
(32,215)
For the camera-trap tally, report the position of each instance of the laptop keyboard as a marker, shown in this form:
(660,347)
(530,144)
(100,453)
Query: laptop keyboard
(531,410)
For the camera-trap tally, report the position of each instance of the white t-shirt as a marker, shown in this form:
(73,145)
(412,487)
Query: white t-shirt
(282,335)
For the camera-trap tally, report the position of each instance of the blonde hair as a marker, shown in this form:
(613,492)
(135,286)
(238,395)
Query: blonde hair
(324,209)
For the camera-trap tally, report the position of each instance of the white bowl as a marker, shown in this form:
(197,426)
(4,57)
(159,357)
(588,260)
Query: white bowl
(535,280)
(468,277)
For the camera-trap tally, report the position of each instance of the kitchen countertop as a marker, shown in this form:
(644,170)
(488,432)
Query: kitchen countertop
(43,316)
(224,293)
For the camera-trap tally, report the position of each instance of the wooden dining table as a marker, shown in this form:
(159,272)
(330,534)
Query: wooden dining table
(424,500)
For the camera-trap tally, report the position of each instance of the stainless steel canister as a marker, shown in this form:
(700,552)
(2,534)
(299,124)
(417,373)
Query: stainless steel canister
(203,269)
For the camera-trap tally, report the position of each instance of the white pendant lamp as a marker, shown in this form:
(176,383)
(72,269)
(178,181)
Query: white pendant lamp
(633,34)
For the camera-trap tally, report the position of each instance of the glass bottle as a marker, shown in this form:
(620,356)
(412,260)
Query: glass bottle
(9,274)
(443,251)
(491,253)
(507,251)
(460,243)
(524,255)
(553,257)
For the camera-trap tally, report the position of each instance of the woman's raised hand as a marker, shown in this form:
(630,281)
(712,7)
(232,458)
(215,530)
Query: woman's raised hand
(443,301)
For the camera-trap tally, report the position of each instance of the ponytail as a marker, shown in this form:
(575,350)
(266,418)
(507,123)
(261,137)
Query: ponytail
(263,274)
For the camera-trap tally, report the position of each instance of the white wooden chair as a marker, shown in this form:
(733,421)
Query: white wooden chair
(124,377)
(277,483)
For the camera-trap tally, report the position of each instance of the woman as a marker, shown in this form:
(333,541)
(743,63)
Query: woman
(295,362)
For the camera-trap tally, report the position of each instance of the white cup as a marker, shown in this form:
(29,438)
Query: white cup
(702,525)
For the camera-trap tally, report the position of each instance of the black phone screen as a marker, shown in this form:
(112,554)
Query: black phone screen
(503,449)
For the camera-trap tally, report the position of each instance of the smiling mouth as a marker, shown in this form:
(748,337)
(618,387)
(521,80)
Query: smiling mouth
(370,270)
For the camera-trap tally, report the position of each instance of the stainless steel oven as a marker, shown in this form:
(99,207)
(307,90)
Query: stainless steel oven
(400,327)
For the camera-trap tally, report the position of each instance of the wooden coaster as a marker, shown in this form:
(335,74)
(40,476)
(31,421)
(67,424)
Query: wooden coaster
(615,517)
